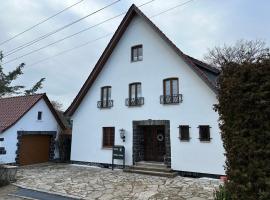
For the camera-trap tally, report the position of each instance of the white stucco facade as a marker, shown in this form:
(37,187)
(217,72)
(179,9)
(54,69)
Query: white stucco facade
(28,122)
(160,61)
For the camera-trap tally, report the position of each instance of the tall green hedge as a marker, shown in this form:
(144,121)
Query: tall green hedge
(244,108)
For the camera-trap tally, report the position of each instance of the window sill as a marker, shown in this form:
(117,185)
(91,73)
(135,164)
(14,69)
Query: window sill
(134,61)
(205,140)
(184,140)
(106,148)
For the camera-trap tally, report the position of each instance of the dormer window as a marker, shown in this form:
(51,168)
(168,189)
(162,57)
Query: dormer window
(39,117)
(137,53)
(105,98)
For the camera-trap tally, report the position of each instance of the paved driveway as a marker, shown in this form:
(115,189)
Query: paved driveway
(101,184)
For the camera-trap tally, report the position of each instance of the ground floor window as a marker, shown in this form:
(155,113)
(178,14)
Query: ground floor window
(184,132)
(108,137)
(204,131)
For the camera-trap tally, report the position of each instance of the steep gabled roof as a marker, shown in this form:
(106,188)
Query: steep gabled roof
(134,11)
(12,109)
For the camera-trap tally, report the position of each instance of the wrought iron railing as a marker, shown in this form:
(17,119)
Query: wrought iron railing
(171,99)
(135,101)
(105,104)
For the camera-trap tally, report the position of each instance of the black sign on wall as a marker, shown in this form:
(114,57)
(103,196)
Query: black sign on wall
(119,154)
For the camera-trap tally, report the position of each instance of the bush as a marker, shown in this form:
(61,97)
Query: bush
(244,108)
(222,193)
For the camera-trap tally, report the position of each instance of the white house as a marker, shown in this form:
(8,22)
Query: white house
(146,89)
(28,128)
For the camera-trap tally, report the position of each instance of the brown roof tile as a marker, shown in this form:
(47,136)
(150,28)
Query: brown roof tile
(12,109)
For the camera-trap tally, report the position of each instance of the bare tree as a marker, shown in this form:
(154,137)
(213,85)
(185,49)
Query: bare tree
(57,105)
(243,51)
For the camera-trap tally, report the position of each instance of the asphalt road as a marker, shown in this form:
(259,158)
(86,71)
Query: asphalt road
(15,193)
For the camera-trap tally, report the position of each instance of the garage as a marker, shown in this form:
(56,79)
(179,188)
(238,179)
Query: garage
(34,149)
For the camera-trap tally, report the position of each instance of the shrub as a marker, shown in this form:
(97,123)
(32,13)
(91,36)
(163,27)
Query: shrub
(244,108)
(222,193)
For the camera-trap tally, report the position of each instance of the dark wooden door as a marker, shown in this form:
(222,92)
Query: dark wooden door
(34,149)
(154,143)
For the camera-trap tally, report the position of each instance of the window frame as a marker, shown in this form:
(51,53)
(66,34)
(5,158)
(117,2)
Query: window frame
(171,86)
(39,116)
(102,99)
(105,136)
(208,133)
(181,132)
(136,48)
(136,89)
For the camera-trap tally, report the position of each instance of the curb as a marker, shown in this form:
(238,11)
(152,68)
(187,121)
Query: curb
(49,192)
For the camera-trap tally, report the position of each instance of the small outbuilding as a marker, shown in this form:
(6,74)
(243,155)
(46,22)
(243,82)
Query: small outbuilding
(29,127)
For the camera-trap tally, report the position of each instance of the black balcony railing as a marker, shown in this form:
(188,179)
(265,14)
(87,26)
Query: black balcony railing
(105,104)
(135,101)
(171,99)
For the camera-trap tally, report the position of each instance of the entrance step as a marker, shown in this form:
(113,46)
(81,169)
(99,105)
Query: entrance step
(151,168)
(151,164)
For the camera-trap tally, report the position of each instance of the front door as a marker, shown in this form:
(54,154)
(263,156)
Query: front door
(154,143)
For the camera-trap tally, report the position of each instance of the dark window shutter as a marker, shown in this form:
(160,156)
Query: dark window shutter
(204,131)
(184,132)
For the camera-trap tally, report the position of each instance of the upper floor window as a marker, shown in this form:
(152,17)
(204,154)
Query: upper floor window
(171,91)
(135,95)
(204,131)
(105,98)
(108,137)
(39,117)
(136,53)
(170,87)
(135,90)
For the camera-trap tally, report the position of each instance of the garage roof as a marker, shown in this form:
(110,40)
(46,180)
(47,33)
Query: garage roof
(12,109)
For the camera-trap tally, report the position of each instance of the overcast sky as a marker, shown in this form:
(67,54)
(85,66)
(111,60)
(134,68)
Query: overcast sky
(194,28)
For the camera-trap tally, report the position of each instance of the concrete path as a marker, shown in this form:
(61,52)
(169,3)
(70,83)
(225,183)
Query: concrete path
(105,184)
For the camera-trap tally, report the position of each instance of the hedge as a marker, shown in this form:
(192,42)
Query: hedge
(244,108)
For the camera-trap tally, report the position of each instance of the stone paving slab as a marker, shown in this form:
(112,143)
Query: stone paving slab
(105,184)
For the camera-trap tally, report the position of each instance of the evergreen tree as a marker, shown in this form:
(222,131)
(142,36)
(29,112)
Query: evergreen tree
(6,80)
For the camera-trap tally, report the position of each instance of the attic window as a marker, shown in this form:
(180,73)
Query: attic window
(39,117)
(137,53)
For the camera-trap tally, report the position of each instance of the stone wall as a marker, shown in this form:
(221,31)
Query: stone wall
(7,174)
